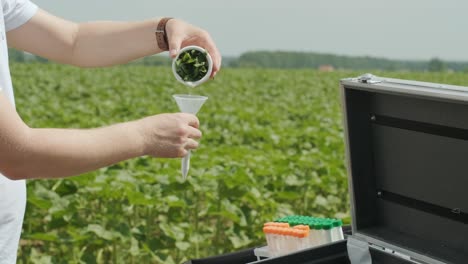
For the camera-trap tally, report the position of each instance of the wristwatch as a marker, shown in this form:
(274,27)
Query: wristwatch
(161,35)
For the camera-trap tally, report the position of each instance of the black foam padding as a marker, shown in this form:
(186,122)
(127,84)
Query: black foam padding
(243,256)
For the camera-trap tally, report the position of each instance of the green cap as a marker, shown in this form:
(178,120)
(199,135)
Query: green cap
(337,223)
(313,222)
(327,225)
(294,223)
(318,226)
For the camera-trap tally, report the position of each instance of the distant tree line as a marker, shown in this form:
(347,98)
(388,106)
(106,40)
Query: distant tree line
(296,60)
(23,57)
(285,59)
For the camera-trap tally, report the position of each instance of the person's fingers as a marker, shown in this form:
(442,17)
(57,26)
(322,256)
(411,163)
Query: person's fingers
(191,144)
(214,52)
(192,120)
(218,61)
(216,64)
(174,46)
(182,153)
(174,39)
(181,34)
(194,133)
(203,39)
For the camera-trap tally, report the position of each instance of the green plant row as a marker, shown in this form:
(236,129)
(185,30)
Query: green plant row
(272,147)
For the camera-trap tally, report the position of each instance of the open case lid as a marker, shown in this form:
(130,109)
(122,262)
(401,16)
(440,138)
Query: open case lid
(407,153)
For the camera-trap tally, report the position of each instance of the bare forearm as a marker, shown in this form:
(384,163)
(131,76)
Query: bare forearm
(53,153)
(27,153)
(98,44)
(92,44)
(109,43)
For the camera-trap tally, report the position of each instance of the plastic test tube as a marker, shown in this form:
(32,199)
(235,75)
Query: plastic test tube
(288,239)
(279,240)
(276,237)
(315,236)
(303,237)
(327,232)
(337,230)
(272,239)
(272,236)
(285,241)
(296,240)
(293,238)
(268,236)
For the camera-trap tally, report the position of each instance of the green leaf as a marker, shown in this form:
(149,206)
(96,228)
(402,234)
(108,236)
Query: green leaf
(174,201)
(173,231)
(40,203)
(182,245)
(138,198)
(38,258)
(43,237)
(288,195)
(101,232)
(240,240)
(134,249)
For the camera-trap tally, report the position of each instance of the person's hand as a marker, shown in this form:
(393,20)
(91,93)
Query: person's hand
(181,34)
(169,135)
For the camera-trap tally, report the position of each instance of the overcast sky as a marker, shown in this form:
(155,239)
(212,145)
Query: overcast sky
(396,29)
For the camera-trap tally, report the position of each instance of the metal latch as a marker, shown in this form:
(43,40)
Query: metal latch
(369,78)
(358,251)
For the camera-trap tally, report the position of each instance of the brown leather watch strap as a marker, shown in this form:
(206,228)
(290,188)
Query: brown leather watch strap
(161,35)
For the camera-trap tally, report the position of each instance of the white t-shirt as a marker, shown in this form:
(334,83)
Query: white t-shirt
(12,193)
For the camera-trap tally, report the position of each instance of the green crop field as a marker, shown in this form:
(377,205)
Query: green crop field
(272,146)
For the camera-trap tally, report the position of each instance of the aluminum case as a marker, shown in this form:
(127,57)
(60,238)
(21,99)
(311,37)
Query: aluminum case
(407,161)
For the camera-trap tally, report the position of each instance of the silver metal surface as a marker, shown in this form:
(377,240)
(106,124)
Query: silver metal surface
(348,155)
(398,251)
(442,92)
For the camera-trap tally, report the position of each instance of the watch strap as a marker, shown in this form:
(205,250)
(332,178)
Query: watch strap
(161,35)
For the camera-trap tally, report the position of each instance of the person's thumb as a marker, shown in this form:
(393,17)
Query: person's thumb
(174,45)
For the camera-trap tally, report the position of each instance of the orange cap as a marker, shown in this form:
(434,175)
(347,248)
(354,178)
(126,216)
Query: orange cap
(276,224)
(298,233)
(273,230)
(304,233)
(268,229)
(286,231)
(302,227)
(281,230)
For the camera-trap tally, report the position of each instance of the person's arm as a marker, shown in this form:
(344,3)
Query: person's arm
(97,44)
(51,153)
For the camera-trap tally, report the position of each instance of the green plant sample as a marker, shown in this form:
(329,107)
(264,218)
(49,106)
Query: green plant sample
(192,65)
